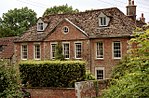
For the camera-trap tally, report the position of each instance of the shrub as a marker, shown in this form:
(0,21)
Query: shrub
(51,73)
(9,86)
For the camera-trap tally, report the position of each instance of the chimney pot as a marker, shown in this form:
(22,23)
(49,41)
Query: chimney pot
(132,2)
(129,1)
(142,15)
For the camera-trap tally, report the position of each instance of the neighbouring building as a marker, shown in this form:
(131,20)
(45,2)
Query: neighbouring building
(7,49)
(99,37)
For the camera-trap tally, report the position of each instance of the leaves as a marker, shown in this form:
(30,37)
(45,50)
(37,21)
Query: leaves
(15,22)
(60,10)
(9,86)
(52,73)
(131,76)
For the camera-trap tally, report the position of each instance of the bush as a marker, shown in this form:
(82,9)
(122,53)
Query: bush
(9,86)
(51,73)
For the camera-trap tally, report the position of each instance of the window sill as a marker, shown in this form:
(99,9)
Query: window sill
(23,59)
(117,58)
(99,58)
(78,58)
(37,59)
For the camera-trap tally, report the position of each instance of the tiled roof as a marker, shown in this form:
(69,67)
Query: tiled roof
(7,46)
(120,25)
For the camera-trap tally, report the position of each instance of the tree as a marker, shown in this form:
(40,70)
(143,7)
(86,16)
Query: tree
(9,86)
(16,22)
(130,78)
(59,52)
(60,10)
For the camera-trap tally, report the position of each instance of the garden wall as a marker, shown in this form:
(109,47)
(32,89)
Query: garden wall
(52,92)
(83,89)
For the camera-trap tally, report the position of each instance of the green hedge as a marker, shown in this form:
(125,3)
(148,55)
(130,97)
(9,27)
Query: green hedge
(51,73)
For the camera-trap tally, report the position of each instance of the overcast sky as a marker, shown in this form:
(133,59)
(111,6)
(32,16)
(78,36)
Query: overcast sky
(39,6)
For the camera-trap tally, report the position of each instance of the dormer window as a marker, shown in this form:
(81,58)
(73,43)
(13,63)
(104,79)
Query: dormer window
(40,27)
(103,20)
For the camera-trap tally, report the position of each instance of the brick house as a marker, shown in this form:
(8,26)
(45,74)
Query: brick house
(7,49)
(99,37)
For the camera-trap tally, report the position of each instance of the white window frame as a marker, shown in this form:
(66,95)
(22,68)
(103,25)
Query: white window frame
(35,58)
(22,55)
(114,50)
(97,49)
(68,50)
(103,21)
(76,50)
(100,68)
(51,52)
(40,25)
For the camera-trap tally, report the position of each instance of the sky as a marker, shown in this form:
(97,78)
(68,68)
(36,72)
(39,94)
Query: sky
(39,6)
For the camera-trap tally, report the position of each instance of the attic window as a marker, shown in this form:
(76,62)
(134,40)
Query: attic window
(103,20)
(65,29)
(40,27)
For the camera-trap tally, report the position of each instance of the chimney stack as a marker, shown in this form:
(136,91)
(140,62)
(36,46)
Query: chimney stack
(131,10)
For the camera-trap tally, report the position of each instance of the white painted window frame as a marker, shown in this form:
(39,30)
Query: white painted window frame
(113,50)
(63,49)
(35,51)
(39,26)
(51,50)
(100,68)
(63,29)
(25,44)
(78,42)
(96,49)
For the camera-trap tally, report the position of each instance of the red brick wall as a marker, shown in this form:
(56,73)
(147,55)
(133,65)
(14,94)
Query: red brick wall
(52,93)
(108,62)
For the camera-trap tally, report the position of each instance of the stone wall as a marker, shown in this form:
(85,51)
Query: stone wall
(90,89)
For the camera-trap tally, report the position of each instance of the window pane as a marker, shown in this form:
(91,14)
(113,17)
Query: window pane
(24,51)
(66,50)
(103,20)
(78,50)
(117,49)
(40,26)
(99,74)
(99,48)
(53,46)
(37,51)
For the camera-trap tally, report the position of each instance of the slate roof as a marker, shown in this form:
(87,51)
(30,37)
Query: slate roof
(120,25)
(7,46)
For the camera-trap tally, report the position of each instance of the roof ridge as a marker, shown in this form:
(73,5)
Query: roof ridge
(92,10)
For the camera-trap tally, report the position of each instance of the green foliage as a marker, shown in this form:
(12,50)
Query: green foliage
(89,76)
(52,73)
(9,86)
(131,76)
(59,52)
(17,21)
(60,10)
